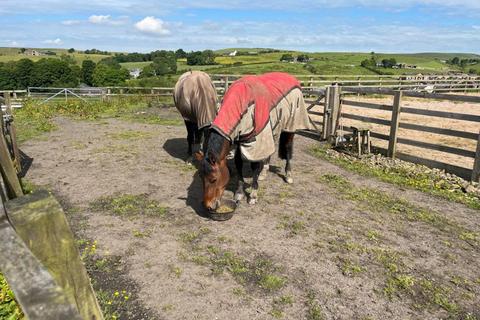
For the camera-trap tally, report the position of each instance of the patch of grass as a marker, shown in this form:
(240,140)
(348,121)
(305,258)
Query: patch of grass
(258,273)
(168,307)
(28,186)
(130,205)
(9,308)
(437,295)
(291,225)
(176,271)
(111,301)
(377,201)
(350,268)
(314,311)
(422,180)
(36,118)
(373,235)
(141,234)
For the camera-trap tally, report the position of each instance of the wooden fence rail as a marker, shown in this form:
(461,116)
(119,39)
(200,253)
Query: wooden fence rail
(396,109)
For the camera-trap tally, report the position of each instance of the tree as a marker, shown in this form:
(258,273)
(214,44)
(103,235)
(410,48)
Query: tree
(23,73)
(303,58)
(68,59)
(7,80)
(105,75)
(54,72)
(389,63)
(180,54)
(88,67)
(287,57)
(71,50)
(206,57)
(22,50)
(455,61)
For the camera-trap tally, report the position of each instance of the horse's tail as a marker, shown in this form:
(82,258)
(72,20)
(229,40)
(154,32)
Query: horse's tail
(285,147)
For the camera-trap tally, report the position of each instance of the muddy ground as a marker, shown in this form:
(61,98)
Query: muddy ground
(331,246)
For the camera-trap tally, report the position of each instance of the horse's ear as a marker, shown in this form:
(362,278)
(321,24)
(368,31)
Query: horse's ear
(199,155)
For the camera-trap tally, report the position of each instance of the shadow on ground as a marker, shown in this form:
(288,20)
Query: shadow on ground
(26,163)
(177,148)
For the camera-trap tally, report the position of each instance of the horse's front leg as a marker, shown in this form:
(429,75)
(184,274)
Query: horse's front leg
(266,168)
(239,193)
(285,150)
(256,169)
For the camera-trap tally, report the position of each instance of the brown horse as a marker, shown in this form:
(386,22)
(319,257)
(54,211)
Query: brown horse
(196,99)
(256,112)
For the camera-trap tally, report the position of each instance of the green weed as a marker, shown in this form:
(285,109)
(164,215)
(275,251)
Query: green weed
(130,205)
(423,180)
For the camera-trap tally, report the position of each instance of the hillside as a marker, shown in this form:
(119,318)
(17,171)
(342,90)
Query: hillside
(260,60)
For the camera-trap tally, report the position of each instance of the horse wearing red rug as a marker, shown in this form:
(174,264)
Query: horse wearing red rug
(256,112)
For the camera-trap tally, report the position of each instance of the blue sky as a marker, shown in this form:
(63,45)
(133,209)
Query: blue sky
(323,25)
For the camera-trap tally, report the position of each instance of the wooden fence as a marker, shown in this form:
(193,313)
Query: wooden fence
(38,254)
(330,110)
(429,83)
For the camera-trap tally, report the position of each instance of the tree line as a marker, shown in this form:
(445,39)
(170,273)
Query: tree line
(65,72)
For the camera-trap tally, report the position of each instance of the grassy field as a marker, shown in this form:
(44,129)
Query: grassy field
(13,54)
(341,63)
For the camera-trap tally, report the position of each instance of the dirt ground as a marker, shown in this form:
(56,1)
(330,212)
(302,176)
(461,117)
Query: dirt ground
(425,104)
(322,248)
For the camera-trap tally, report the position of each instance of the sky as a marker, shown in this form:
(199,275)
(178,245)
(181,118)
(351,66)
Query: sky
(313,26)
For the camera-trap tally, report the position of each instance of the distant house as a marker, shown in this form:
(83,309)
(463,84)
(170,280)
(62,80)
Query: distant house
(406,66)
(32,52)
(135,73)
(233,53)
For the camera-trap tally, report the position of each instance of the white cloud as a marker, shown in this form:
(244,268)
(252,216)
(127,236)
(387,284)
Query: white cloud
(56,42)
(70,22)
(152,25)
(99,19)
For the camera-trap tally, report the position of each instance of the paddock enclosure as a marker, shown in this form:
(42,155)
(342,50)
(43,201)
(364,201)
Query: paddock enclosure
(334,245)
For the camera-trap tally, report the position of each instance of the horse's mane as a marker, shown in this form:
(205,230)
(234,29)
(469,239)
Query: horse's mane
(213,150)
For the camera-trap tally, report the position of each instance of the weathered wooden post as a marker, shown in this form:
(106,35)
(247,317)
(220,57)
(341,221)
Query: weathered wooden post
(225,84)
(8,100)
(9,174)
(395,121)
(476,163)
(334,113)
(326,113)
(40,222)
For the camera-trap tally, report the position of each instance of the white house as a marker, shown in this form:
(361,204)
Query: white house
(233,53)
(135,73)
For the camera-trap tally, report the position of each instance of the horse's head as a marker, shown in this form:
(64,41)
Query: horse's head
(215,176)
(214,170)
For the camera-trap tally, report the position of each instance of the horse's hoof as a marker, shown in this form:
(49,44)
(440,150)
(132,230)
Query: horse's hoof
(252,201)
(189,161)
(289,180)
(239,196)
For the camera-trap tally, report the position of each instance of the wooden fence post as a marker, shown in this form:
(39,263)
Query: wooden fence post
(40,222)
(12,182)
(326,113)
(392,142)
(225,84)
(334,108)
(476,164)
(8,100)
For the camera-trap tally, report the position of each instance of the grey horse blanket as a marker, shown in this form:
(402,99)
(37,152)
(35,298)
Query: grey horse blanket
(256,109)
(196,98)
